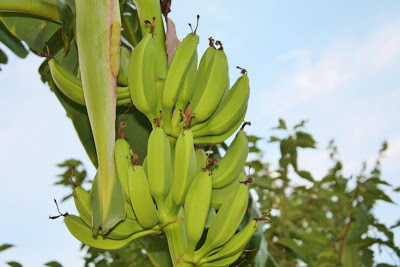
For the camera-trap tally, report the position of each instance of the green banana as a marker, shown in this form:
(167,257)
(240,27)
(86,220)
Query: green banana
(141,199)
(205,60)
(209,91)
(201,159)
(123,70)
(217,139)
(229,110)
(71,86)
(185,169)
(122,230)
(233,162)
(145,165)
(197,206)
(224,261)
(83,233)
(142,76)
(182,61)
(225,223)
(186,92)
(82,204)
(159,167)
(210,217)
(123,161)
(220,195)
(235,245)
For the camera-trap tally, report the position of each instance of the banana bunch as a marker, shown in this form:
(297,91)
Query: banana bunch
(175,182)
(192,105)
(200,99)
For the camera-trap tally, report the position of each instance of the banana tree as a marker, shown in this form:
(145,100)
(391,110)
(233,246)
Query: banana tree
(143,121)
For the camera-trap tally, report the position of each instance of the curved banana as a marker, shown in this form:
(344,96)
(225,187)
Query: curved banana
(82,204)
(182,61)
(142,76)
(123,70)
(225,223)
(185,169)
(141,199)
(71,86)
(233,161)
(122,157)
(224,261)
(122,230)
(201,159)
(205,60)
(145,165)
(235,245)
(220,195)
(186,92)
(83,233)
(159,167)
(209,91)
(229,110)
(217,139)
(197,206)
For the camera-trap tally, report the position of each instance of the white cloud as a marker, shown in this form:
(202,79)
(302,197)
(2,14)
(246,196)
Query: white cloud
(343,62)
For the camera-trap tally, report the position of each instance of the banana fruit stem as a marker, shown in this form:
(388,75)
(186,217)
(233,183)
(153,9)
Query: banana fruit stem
(45,9)
(177,243)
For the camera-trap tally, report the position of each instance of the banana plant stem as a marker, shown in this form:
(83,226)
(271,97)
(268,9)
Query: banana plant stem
(46,9)
(177,243)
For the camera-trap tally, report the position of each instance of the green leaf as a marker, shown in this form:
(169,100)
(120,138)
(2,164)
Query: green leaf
(5,246)
(395,225)
(79,175)
(67,18)
(397,189)
(130,23)
(157,250)
(3,57)
(12,42)
(301,124)
(293,152)
(291,244)
(254,149)
(282,125)
(377,180)
(14,264)
(274,139)
(53,264)
(35,32)
(304,140)
(253,138)
(306,175)
(351,257)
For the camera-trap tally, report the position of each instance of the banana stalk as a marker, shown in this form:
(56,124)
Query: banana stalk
(98,30)
(42,8)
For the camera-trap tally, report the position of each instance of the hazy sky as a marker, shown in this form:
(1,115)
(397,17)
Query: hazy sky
(335,63)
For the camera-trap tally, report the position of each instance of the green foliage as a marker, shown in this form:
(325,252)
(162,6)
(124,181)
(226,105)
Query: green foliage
(322,222)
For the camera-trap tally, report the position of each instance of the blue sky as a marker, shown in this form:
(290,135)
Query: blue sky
(335,63)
